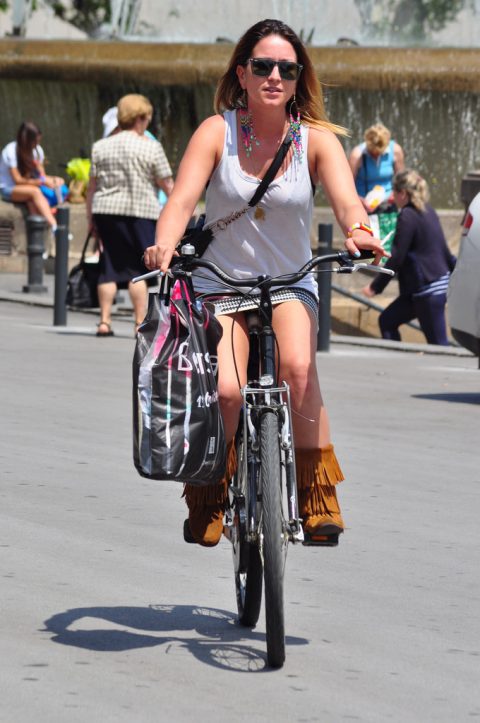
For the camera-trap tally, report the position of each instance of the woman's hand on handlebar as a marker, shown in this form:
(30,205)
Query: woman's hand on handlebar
(363,241)
(158,257)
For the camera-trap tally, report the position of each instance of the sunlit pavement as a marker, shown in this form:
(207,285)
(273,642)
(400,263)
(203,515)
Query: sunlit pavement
(107,615)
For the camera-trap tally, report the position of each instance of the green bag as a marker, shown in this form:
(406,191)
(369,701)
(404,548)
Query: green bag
(79,169)
(382,224)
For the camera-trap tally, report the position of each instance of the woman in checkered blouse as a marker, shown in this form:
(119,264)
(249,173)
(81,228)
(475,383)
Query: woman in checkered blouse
(127,170)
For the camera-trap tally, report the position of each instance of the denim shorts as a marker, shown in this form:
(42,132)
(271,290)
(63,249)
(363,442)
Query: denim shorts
(6,194)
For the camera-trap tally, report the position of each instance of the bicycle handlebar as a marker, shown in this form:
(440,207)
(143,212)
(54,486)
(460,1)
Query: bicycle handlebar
(186,263)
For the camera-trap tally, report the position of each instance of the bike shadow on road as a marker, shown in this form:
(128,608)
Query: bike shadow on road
(211,635)
(459,397)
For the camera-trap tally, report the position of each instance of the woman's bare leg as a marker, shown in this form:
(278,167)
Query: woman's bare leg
(296,332)
(228,384)
(139,296)
(106,296)
(318,471)
(35,200)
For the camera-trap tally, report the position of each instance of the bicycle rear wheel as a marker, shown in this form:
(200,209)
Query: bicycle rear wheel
(274,541)
(246,556)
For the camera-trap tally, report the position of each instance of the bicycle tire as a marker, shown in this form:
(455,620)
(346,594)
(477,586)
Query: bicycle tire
(246,558)
(249,589)
(274,544)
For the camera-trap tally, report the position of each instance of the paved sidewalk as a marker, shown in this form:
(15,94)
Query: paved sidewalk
(108,616)
(11,286)
(11,289)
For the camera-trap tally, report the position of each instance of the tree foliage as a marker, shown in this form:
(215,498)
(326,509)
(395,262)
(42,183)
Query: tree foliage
(409,21)
(86,15)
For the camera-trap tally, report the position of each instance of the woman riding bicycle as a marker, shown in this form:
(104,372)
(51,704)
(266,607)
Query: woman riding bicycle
(269,90)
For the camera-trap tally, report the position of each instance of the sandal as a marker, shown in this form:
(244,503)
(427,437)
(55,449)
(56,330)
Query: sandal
(109,331)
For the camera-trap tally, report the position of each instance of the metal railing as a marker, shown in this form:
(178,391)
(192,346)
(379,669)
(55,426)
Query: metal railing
(325,288)
(368,302)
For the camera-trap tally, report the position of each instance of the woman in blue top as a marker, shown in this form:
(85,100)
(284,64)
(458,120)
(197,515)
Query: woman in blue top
(374,163)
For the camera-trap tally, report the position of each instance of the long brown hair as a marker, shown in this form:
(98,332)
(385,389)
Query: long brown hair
(308,94)
(27,139)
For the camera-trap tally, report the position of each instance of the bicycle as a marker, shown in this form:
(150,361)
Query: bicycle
(262,515)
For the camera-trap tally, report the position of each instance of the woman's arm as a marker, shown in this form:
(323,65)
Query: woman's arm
(166,184)
(20,180)
(398,158)
(201,157)
(355,159)
(49,181)
(328,164)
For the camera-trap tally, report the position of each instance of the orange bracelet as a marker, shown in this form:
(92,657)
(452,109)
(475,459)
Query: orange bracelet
(359,226)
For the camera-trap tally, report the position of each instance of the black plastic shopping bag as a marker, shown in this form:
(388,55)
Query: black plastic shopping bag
(177,425)
(82,282)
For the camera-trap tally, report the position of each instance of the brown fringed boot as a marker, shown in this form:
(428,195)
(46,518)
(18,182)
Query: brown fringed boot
(318,472)
(206,505)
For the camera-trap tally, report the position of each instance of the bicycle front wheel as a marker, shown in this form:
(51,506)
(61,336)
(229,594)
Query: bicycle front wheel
(274,541)
(246,555)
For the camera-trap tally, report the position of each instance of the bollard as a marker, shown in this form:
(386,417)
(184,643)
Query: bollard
(324,280)
(36,232)
(61,267)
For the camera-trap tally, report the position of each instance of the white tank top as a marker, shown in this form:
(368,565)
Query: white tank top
(279,242)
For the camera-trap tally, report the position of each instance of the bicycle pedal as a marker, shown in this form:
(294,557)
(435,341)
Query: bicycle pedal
(319,540)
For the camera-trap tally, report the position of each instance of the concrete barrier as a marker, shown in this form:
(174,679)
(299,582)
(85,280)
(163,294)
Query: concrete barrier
(13,256)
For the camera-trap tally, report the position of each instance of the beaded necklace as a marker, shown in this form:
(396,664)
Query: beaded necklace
(249,137)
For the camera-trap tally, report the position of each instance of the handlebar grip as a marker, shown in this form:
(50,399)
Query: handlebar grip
(364,254)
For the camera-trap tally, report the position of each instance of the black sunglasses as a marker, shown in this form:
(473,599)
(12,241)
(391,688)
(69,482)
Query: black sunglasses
(287,69)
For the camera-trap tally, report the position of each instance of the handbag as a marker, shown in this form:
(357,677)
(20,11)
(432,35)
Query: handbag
(200,237)
(82,282)
(177,424)
(54,196)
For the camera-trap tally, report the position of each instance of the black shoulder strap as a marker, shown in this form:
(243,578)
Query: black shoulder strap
(85,246)
(272,171)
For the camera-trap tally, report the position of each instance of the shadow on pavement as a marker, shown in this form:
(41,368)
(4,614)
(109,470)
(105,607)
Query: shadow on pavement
(459,397)
(221,645)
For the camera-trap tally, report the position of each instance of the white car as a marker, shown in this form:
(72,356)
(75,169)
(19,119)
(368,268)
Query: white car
(464,287)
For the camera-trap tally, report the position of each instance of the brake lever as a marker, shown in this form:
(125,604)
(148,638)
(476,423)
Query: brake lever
(149,275)
(369,267)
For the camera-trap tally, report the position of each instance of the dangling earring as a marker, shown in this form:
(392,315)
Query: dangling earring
(296,132)
(246,127)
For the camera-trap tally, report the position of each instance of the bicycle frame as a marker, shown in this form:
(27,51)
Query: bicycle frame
(262,392)
(258,523)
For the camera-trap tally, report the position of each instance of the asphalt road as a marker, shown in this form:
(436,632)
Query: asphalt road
(108,616)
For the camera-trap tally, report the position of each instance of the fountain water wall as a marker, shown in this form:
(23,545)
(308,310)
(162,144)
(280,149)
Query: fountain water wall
(428,97)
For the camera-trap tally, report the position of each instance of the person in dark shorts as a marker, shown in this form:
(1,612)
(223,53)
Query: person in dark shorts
(127,170)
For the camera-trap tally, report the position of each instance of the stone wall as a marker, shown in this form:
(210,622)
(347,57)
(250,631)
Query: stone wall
(13,215)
